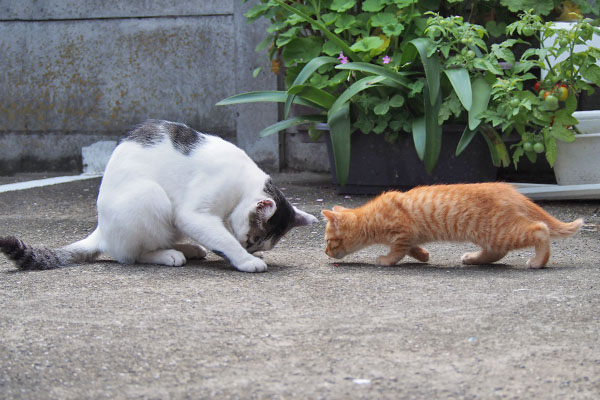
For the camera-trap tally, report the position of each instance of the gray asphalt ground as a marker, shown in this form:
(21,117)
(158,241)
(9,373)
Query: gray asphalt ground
(308,328)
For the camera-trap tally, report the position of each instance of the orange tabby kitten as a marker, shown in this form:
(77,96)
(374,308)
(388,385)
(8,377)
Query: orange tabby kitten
(492,215)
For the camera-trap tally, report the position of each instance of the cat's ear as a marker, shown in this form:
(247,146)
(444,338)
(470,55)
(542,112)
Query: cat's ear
(331,216)
(339,208)
(302,218)
(265,209)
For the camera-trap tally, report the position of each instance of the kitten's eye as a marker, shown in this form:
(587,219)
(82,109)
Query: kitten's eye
(256,239)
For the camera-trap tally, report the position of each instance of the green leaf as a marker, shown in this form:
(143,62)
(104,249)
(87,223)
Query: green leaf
(450,106)
(481,96)
(397,100)
(393,30)
(465,139)
(331,49)
(496,145)
(538,7)
(398,77)
(419,136)
(561,133)
(355,88)
(592,73)
(367,44)
(383,19)
(288,123)
(263,96)
(321,27)
(373,5)
(313,94)
(256,72)
(433,131)
(459,78)
(550,146)
(431,64)
(303,76)
(342,5)
(301,50)
(344,22)
(382,108)
(339,131)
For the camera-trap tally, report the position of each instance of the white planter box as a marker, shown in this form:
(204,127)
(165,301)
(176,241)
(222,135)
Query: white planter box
(578,163)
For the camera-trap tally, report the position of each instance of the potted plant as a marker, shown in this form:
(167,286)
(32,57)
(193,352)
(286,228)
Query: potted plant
(386,70)
(543,115)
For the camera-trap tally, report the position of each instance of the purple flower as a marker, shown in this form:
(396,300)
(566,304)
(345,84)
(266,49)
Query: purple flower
(386,59)
(343,59)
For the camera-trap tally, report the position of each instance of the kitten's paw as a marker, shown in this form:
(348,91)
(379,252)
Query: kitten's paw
(535,264)
(470,258)
(387,261)
(419,253)
(253,265)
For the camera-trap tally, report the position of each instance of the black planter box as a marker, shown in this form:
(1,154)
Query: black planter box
(377,165)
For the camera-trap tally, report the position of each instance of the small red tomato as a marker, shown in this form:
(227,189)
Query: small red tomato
(537,87)
(562,92)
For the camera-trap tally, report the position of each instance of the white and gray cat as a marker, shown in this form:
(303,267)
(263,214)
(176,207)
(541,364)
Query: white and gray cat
(165,182)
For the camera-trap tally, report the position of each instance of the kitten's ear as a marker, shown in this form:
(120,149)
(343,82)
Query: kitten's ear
(331,216)
(301,218)
(339,208)
(265,209)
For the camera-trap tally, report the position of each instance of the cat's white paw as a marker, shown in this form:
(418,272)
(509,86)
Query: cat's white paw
(252,265)
(173,258)
(170,258)
(191,251)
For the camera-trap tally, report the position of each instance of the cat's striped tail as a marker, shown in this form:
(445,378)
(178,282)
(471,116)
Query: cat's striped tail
(561,229)
(27,257)
(556,228)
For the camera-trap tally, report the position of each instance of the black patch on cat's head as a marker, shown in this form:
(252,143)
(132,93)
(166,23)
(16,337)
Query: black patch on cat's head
(274,228)
(184,138)
(147,134)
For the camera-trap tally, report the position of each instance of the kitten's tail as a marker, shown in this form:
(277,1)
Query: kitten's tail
(27,257)
(557,228)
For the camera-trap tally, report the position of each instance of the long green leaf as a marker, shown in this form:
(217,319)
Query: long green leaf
(288,123)
(432,66)
(465,139)
(398,77)
(419,136)
(313,94)
(303,76)
(433,131)
(355,88)
(481,97)
(496,145)
(460,81)
(339,130)
(276,96)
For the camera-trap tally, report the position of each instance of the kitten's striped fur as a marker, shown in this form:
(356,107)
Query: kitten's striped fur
(492,215)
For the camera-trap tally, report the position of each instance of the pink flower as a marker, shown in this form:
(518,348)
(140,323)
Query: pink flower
(386,59)
(343,59)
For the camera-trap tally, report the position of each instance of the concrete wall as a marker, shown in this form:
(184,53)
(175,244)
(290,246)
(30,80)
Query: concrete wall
(78,71)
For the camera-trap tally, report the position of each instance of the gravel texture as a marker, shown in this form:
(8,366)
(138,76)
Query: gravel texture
(310,327)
